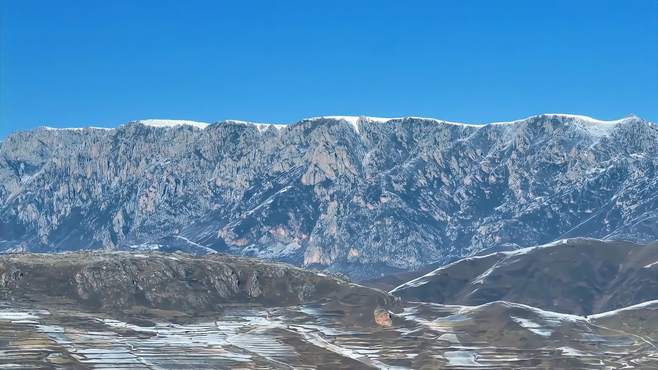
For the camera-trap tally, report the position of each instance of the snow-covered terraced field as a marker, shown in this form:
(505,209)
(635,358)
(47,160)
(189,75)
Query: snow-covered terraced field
(493,336)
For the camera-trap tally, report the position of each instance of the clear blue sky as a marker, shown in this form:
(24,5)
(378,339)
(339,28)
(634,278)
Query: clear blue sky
(76,63)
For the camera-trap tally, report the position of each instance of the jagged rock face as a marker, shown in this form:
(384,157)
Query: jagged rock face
(359,196)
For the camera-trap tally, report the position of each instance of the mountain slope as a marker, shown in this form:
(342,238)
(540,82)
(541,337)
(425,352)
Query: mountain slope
(641,319)
(576,276)
(429,191)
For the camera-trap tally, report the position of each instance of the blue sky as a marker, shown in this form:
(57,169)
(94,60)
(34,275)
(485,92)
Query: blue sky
(76,63)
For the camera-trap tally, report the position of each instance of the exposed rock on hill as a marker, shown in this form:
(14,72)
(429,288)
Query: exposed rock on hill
(115,282)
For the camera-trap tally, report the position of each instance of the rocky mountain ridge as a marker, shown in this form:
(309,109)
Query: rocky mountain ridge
(353,194)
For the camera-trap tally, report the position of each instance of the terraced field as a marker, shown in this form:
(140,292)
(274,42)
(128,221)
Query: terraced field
(161,311)
(494,336)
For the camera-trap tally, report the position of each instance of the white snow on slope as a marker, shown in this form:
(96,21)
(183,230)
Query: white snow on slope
(74,128)
(461,358)
(356,120)
(265,126)
(549,317)
(422,280)
(568,351)
(203,247)
(651,265)
(533,326)
(17,316)
(435,120)
(575,117)
(261,127)
(526,250)
(593,126)
(352,120)
(629,308)
(585,118)
(172,123)
(552,318)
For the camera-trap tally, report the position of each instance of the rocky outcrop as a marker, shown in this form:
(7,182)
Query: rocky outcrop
(194,285)
(357,195)
(383,317)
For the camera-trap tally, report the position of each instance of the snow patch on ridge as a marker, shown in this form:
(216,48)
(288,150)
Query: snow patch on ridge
(356,120)
(584,118)
(477,125)
(628,308)
(75,128)
(203,247)
(577,117)
(593,126)
(172,123)
(261,127)
(651,265)
(461,358)
(352,120)
(424,279)
(532,326)
(550,317)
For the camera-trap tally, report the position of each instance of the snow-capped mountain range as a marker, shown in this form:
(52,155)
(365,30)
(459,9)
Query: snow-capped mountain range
(360,195)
